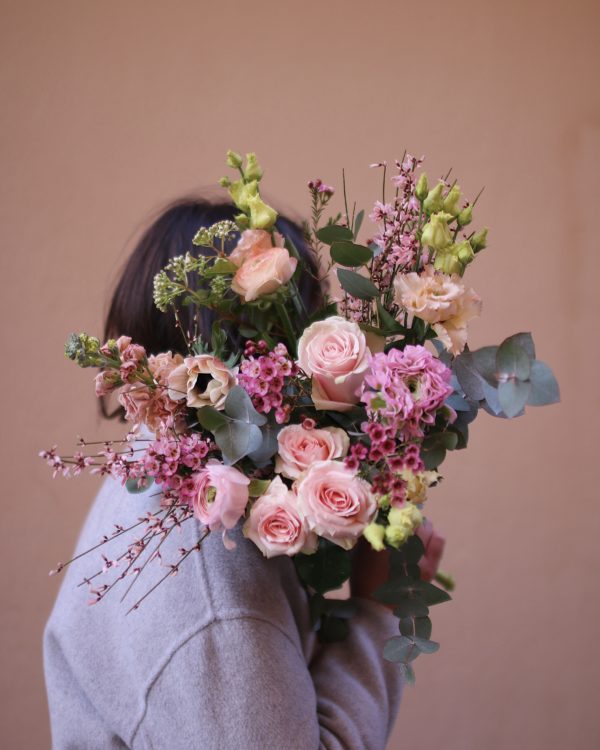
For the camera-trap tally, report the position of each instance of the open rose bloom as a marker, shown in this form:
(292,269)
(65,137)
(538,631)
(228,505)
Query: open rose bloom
(312,426)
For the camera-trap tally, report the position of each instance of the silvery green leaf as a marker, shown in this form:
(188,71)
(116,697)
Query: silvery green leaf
(268,447)
(470,380)
(424,645)
(512,361)
(513,396)
(132,485)
(491,400)
(400,648)
(484,361)
(237,439)
(210,418)
(544,387)
(334,233)
(524,340)
(238,405)
(457,402)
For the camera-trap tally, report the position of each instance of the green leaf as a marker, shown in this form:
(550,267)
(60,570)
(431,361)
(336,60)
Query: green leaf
(238,405)
(247,331)
(131,485)
(237,439)
(411,607)
(415,626)
(544,386)
(525,341)
(512,361)
(408,673)
(468,377)
(258,487)
(433,595)
(424,645)
(358,222)
(410,552)
(326,569)
(210,418)
(433,456)
(484,362)
(387,320)
(400,648)
(334,233)
(513,396)
(349,254)
(357,285)
(269,445)
(221,266)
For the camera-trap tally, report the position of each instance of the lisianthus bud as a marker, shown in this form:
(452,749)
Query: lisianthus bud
(262,216)
(242,221)
(479,240)
(464,252)
(447,262)
(225,182)
(465,216)
(241,191)
(422,187)
(252,170)
(452,201)
(234,159)
(436,233)
(434,200)
(374,534)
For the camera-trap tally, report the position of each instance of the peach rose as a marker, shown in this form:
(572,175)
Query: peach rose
(442,301)
(221,497)
(300,447)
(275,524)
(251,242)
(337,504)
(335,354)
(202,380)
(263,272)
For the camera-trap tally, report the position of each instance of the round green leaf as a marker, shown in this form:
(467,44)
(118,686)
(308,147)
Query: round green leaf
(349,254)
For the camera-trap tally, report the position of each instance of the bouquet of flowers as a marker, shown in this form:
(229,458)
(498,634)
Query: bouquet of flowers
(311,429)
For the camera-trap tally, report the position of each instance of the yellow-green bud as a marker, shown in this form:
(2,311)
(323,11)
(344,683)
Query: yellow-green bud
(447,262)
(465,216)
(374,534)
(225,182)
(422,187)
(436,233)
(402,524)
(234,159)
(242,221)
(434,200)
(479,240)
(252,170)
(452,201)
(262,216)
(464,252)
(241,192)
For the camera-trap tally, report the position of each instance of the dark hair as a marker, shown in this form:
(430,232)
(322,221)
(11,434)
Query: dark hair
(132,311)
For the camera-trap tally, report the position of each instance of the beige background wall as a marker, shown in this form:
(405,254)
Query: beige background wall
(108,109)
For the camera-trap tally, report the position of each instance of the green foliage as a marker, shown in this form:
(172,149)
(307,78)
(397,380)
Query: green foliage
(350,254)
(326,569)
(334,233)
(357,285)
(135,487)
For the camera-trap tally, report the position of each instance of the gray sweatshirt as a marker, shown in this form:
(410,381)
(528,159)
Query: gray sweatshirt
(220,656)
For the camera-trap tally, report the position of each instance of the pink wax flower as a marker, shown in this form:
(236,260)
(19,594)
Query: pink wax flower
(434,549)
(276,525)
(221,497)
(337,504)
(299,447)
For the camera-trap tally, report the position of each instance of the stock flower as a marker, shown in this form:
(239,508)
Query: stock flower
(434,549)
(275,524)
(337,504)
(440,300)
(436,233)
(220,498)
(334,353)
(263,272)
(202,380)
(300,447)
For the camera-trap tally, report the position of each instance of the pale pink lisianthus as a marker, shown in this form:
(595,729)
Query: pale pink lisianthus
(434,549)
(202,380)
(334,353)
(276,525)
(441,300)
(263,272)
(300,447)
(251,242)
(337,504)
(220,497)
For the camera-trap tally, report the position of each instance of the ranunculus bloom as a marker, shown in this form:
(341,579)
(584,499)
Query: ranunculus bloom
(334,353)
(434,549)
(221,497)
(263,272)
(276,525)
(252,241)
(300,447)
(337,504)
(202,380)
(442,301)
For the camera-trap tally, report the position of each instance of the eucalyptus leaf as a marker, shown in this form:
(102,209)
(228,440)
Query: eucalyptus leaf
(400,649)
(357,285)
(358,222)
(424,645)
(469,378)
(387,320)
(334,233)
(513,396)
(350,254)
(433,457)
(415,626)
(269,445)
(512,361)
(524,340)
(238,405)
(492,400)
(132,486)
(484,361)
(457,402)
(544,387)
(210,418)
(326,569)
(411,607)
(237,439)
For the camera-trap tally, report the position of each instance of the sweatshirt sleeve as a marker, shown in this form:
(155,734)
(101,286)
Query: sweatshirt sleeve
(244,683)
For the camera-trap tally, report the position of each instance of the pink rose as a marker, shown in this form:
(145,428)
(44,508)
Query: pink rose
(275,524)
(202,380)
(263,272)
(434,548)
(252,241)
(300,447)
(220,497)
(337,504)
(334,353)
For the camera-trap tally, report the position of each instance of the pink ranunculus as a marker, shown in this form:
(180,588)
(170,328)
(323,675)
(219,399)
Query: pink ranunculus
(276,525)
(299,447)
(252,241)
(202,380)
(434,548)
(337,504)
(221,496)
(334,353)
(263,272)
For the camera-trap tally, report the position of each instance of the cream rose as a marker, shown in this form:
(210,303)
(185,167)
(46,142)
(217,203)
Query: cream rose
(276,525)
(263,272)
(337,504)
(300,447)
(440,300)
(202,380)
(334,353)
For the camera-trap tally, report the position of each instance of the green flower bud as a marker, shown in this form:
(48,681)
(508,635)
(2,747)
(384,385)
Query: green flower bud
(465,216)
(241,191)
(452,201)
(261,215)
(234,159)
(434,200)
(225,182)
(422,187)
(464,252)
(242,221)
(374,534)
(479,240)
(403,524)
(252,170)
(436,233)
(448,263)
